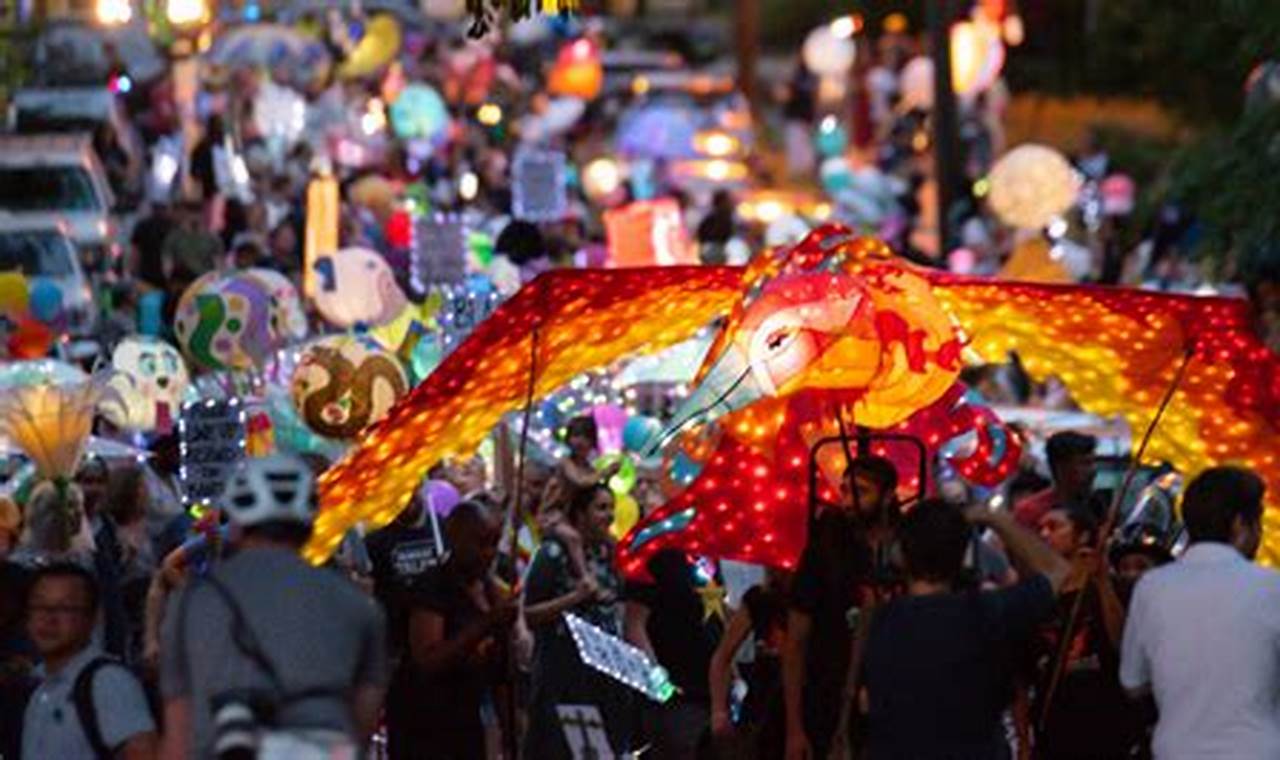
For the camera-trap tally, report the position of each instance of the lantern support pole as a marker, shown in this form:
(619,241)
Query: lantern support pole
(1113,512)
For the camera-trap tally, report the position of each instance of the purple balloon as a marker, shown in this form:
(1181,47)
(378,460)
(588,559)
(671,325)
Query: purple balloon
(441,497)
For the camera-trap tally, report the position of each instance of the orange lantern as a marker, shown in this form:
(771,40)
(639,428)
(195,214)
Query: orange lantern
(645,233)
(578,72)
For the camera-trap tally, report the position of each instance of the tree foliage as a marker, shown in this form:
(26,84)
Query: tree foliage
(1229,180)
(1192,55)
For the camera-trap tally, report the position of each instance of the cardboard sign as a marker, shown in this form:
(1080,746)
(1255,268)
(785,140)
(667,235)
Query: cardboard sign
(584,732)
(619,660)
(440,253)
(412,558)
(538,192)
(212,436)
(645,233)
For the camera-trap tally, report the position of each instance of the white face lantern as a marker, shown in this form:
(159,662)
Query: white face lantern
(150,380)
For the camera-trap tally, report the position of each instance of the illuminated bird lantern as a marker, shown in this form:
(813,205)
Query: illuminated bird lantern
(342,384)
(149,379)
(1116,350)
(848,316)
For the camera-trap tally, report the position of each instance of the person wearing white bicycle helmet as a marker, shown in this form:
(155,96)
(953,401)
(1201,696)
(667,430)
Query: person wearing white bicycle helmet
(268,654)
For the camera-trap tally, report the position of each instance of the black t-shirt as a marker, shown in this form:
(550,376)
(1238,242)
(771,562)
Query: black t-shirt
(832,581)
(401,556)
(683,635)
(438,714)
(148,236)
(1091,717)
(767,609)
(939,670)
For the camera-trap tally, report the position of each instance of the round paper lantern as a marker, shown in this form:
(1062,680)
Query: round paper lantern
(601,179)
(1030,185)
(288,320)
(977,55)
(828,54)
(343,384)
(420,114)
(149,380)
(224,322)
(356,286)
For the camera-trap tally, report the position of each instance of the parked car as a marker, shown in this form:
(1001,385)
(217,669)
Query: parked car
(44,250)
(94,110)
(47,180)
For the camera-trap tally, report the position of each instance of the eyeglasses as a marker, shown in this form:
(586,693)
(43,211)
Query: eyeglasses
(58,610)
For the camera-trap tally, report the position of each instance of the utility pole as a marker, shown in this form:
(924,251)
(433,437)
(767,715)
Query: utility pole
(946,145)
(746,32)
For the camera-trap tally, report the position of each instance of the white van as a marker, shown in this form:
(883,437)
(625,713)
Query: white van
(45,251)
(47,180)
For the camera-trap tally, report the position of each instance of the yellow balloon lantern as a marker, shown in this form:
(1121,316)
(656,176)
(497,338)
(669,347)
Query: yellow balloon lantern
(13,293)
(378,47)
(626,513)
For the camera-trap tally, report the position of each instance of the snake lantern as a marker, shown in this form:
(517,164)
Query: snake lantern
(342,384)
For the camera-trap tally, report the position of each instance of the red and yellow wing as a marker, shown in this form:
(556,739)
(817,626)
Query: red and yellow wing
(583,318)
(1118,350)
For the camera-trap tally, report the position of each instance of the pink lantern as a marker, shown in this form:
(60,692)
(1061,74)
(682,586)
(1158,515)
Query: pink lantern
(1118,192)
(645,233)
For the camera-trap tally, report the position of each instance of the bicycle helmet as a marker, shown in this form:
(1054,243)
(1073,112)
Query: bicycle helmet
(275,488)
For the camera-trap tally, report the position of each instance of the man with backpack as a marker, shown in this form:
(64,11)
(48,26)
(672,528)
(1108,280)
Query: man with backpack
(88,705)
(267,656)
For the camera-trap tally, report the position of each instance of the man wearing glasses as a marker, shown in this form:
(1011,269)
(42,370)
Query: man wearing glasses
(87,706)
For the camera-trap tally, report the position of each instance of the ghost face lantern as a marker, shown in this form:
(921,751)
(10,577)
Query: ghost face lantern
(356,286)
(344,384)
(150,380)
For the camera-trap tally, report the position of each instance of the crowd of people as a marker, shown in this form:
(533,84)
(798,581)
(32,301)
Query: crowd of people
(921,627)
(924,629)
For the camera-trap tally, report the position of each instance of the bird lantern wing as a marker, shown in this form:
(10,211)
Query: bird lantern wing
(577,319)
(1118,351)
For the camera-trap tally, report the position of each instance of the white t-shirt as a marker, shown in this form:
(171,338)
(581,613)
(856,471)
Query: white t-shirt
(1204,634)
